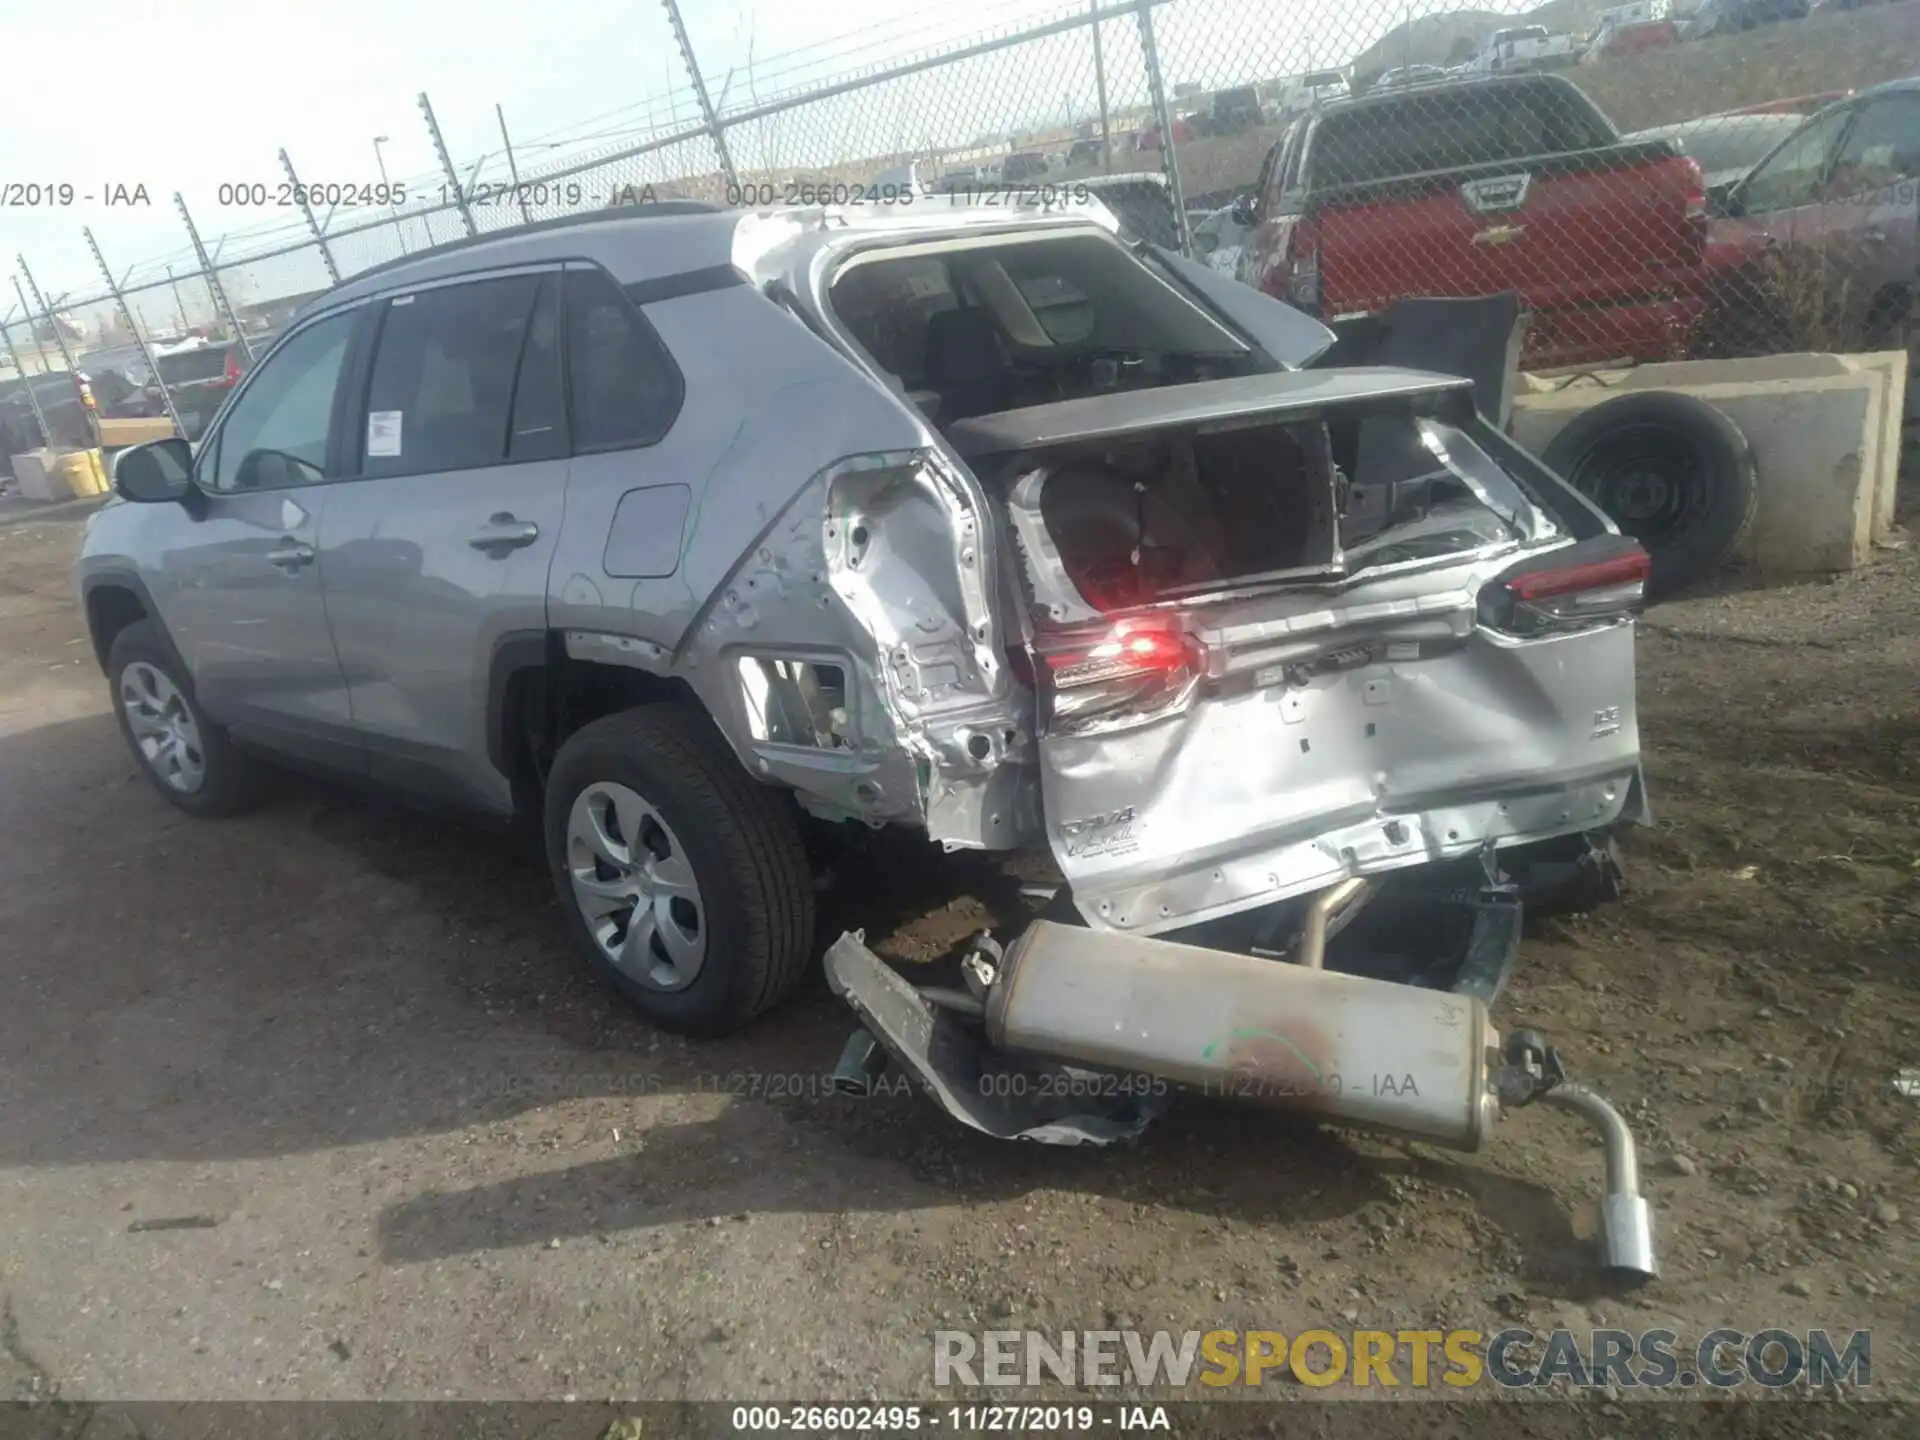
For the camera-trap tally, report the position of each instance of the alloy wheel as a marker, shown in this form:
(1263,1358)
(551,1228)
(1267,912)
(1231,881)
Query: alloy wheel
(163,727)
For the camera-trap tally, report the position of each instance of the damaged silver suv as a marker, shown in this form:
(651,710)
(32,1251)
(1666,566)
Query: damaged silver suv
(673,524)
(675,527)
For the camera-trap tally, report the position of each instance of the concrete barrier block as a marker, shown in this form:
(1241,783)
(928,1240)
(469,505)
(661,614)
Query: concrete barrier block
(1818,448)
(1893,364)
(33,471)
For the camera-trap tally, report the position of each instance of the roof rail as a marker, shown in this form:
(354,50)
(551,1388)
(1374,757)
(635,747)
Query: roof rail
(650,210)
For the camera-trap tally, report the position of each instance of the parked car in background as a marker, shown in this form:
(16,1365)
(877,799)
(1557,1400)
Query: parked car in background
(1725,147)
(1633,37)
(1023,167)
(1311,91)
(1478,187)
(1147,137)
(1521,47)
(199,380)
(1219,237)
(1084,153)
(1726,17)
(1235,111)
(915,177)
(1825,228)
(61,405)
(1401,76)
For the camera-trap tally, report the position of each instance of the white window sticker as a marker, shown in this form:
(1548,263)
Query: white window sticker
(383,432)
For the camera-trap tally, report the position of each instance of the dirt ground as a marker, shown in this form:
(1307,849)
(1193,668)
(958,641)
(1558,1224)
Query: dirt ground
(419,1154)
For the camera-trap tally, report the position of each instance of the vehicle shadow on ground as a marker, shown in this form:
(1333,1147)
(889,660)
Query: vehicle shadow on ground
(329,972)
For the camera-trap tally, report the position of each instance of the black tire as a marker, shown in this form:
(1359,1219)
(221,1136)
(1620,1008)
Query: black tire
(231,782)
(742,841)
(1692,461)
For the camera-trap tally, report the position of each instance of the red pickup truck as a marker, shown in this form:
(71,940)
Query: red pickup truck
(1479,187)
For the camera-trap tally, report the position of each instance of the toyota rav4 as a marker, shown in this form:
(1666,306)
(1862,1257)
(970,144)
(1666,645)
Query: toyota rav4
(676,526)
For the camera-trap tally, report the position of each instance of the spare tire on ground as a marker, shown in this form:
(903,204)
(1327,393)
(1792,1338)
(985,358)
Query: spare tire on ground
(1671,471)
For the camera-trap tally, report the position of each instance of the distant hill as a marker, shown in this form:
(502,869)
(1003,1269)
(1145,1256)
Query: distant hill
(1429,40)
(1446,39)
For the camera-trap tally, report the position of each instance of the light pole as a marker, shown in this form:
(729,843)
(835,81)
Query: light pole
(381,161)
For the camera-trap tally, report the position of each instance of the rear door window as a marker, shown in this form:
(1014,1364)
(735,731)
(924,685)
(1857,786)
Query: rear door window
(441,392)
(625,389)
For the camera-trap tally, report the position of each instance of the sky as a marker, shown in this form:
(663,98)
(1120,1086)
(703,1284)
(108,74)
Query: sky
(208,98)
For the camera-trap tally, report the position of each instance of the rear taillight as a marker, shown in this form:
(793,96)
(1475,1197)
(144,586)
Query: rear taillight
(1122,675)
(1596,582)
(1303,265)
(1696,190)
(231,375)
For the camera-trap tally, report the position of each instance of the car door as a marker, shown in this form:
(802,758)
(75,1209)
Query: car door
(1867,223)
(1777,206)
(435,549)
(245,606)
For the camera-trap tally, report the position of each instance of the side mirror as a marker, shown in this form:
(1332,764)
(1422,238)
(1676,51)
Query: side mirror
(1724,200)
(154,473)
(1242,210)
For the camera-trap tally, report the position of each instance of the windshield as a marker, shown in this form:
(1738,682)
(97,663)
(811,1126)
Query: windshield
(1728,144)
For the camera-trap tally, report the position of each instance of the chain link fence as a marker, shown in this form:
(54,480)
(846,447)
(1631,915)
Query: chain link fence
(1646,179)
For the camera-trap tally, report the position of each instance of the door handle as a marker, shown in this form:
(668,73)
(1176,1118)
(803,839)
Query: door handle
(291,556)
(502,532)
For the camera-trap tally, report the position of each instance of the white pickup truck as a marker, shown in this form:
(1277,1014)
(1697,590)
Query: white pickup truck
(1522,47)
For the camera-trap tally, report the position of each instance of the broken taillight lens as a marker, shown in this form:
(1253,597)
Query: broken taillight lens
(1596,582)
(1124,675)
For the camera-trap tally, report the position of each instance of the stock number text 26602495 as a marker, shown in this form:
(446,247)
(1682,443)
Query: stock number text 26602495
(333,194)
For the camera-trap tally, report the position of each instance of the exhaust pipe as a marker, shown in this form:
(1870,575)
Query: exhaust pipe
(862,1061)
(1626,1220)
(1368,1053)
(1363,1052)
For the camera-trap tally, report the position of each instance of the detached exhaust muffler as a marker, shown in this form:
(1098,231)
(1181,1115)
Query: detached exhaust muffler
(1370,1053)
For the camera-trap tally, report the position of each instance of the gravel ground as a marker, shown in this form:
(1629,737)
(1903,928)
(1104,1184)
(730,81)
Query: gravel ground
(408,1150)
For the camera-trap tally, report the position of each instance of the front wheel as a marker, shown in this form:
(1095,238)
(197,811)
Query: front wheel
(187,757)
(685,881)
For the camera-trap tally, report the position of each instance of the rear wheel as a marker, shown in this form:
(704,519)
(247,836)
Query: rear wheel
(684,880)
